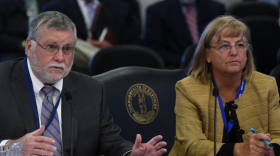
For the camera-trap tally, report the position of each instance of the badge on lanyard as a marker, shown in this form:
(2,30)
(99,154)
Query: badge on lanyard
(229,124)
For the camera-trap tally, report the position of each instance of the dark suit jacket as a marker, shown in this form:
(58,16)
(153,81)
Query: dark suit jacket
(114,14)
(166,29)
(94,131)
(14,25)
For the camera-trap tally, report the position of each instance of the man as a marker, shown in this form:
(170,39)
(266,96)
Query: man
(168,30)
(32,94)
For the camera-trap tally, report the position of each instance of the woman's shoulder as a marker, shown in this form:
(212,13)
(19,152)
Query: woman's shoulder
(191,80)
(261,81)
(257,76)
(192,84)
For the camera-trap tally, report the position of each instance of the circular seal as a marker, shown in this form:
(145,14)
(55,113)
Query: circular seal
(142,103)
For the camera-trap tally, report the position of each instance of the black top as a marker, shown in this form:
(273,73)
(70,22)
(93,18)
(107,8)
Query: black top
(235,134)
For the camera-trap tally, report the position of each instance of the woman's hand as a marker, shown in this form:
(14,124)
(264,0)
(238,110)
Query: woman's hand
(254,146)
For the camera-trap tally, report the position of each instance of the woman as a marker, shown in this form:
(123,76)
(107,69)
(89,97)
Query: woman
(248,99)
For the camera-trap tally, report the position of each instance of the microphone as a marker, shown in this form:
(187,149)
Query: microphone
(215,94)
(69,99)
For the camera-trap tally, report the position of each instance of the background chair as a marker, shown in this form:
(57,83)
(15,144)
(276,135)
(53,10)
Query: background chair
(121,56)
(151,95)
(265,34)
(188,55)
(275,72)
(244,9)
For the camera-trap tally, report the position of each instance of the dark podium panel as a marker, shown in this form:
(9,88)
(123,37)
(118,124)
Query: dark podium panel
(141,101)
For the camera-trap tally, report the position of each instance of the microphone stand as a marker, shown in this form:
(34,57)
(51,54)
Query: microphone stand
(215,94)
(69,99)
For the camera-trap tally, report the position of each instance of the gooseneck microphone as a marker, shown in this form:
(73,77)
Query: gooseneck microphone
(215,94)
(69,99)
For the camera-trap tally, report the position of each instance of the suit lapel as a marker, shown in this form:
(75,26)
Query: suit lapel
(102,20)
(201,12)
(66,117)
(22,97)
(179,21)
(19,89)
(77,17)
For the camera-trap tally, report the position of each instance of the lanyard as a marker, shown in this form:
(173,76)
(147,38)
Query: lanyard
(229,124)
(32,96)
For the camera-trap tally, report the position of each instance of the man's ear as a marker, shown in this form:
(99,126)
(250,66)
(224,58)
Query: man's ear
(28,47)
(208,59)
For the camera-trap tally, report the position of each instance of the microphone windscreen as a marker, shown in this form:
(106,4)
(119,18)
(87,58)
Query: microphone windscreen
(215,92)
(68,96)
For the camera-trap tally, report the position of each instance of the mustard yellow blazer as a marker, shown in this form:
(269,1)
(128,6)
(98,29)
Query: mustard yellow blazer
(258,108)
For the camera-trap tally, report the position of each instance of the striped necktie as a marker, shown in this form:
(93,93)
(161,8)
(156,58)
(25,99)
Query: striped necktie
(192,23)
(53,130)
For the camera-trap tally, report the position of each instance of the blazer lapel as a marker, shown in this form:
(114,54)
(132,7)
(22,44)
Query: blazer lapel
(67,117)
(22,97)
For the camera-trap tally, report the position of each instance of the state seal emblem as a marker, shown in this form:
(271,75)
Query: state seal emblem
(142,103)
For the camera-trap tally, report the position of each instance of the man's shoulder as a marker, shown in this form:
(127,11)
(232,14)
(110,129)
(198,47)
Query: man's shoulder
(54,5)
(7,65)
(212,4)
(11,69)
(161,5)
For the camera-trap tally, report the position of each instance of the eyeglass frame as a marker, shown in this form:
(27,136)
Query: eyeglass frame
(58,48)
(218,47)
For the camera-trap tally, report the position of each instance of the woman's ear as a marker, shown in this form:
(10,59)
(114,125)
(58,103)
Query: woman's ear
(208,59)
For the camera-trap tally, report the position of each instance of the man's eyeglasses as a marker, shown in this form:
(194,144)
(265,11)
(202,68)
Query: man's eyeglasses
(225,48)
(53,49)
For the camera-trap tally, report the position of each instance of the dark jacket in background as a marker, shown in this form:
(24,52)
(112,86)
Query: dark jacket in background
(14,27)
(117,15)
(166,30)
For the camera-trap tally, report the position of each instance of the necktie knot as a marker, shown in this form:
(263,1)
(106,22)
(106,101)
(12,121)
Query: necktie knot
(48,91)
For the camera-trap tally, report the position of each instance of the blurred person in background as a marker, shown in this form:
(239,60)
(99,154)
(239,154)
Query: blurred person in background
(15,18)
(173,25)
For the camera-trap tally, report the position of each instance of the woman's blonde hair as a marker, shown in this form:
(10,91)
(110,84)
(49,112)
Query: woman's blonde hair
(199,67)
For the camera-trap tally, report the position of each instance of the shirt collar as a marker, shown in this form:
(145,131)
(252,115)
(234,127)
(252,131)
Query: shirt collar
(37,84)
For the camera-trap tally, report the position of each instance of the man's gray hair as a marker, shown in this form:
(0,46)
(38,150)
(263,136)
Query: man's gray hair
(54,21)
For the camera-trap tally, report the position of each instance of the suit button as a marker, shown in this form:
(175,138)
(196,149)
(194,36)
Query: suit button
(234,106)
(241,131)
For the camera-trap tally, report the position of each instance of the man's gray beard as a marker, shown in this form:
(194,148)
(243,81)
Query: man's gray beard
(42,72)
